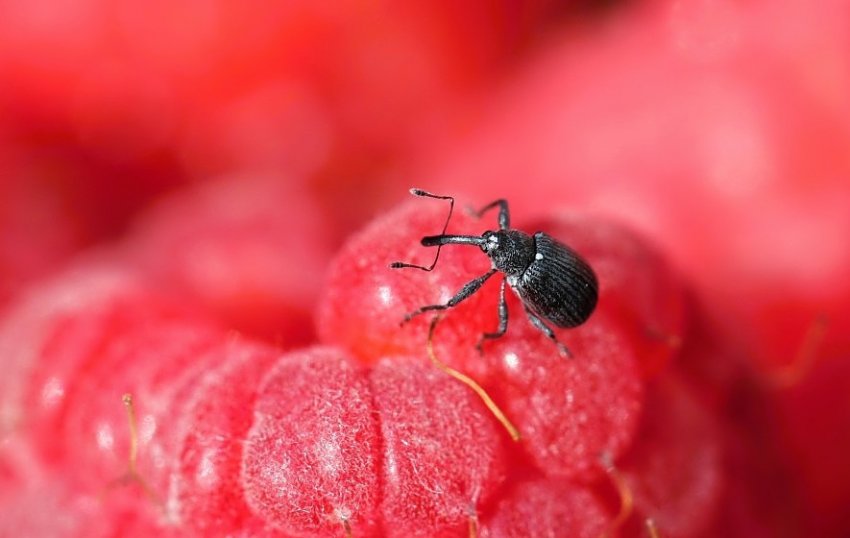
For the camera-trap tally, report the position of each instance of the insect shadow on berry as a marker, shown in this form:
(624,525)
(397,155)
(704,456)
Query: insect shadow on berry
(554,284)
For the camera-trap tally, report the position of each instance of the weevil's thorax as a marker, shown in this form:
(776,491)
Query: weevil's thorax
(511,251)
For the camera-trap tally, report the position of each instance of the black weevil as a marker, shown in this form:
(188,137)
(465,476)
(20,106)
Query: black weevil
(551,280)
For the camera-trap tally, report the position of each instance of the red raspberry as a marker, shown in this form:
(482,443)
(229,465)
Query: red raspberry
(230,246)
(158,364)
(568,410)
(38,230)
(635,283)
(812,415)
(208,494)
(57,331)
(674,470)
(546,507)
(365,301)
(442,450)
(311,458)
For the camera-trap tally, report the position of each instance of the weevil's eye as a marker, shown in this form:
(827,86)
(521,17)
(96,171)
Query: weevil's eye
(491,241)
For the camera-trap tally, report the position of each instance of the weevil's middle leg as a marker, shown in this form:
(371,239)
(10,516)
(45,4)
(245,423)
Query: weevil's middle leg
(545,329)
(504,214)
(503,320)
(468,289)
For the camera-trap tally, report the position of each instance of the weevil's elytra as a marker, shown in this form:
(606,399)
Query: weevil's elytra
(558,284)
(552,281)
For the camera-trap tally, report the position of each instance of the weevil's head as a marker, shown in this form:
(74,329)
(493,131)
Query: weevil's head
(511,251)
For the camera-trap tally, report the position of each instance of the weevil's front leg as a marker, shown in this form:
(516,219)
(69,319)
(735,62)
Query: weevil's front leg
(468,289)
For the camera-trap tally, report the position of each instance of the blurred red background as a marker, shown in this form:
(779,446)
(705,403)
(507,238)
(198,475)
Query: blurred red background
(718,129)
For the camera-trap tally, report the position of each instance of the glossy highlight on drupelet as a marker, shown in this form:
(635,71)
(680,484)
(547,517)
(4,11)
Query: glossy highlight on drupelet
(553,282)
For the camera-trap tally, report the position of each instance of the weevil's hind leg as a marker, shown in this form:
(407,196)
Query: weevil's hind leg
(503,320)
(468,289)
(504,213)
(425,194)
(545,329)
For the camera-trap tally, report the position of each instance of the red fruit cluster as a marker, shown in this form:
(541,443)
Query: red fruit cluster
(362,435)
(232,436)
(619,397)
(717,128)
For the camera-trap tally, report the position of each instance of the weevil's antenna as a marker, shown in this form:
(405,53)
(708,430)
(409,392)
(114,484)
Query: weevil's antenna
(347,528)
(424,194)
(469,382)
(627,500)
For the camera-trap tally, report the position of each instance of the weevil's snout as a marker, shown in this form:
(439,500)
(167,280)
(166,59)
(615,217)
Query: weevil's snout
(431,240)
(438,240)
